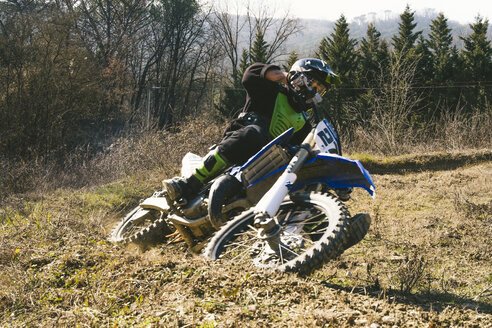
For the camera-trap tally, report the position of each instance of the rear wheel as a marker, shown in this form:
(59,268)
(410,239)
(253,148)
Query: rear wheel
(141,226)
(313,232)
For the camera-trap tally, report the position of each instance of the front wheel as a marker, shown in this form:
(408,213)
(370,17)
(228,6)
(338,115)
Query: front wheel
(313,232)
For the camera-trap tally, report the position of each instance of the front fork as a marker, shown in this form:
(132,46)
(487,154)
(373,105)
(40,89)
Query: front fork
(268,226)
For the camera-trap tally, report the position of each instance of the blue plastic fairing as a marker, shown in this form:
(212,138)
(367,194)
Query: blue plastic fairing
(336,171)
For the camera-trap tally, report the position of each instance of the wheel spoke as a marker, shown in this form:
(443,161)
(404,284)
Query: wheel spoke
(241,244)
(288,249)
(314,218)
(305,220)
(286,218)
(280,252)
(317,232)
(309,241)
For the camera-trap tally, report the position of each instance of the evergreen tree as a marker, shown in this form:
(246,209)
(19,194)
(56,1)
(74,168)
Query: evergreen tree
(292,59)
(406,56)
(439,43)
(477,52)
(374,57)
(234,96)
(259,51)
(373,66)
(425,69)
(243,64)
(477,58)
(405,40)
(444,61)
(423,75)
(338,50)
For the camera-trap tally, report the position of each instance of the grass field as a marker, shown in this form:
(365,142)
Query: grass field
(426,261)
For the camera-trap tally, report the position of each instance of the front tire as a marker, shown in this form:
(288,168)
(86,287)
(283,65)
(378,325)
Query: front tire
(313,232)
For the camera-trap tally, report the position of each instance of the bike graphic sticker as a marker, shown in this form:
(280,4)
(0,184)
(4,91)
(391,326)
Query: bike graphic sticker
(326,138)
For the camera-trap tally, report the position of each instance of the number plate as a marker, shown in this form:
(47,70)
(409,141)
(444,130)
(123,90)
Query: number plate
(326,138)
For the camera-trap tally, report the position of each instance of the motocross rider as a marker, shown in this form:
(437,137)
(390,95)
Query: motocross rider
(275,101)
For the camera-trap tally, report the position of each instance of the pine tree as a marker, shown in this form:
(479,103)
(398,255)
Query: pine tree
(439,43)
(477,59)
(444,61)
(405,40)
(373,67)
(374,57)
(292,59)
(425,68)
(259,51)
(234,95)
(243,64)
(338,50)
(477,51)
(423,75)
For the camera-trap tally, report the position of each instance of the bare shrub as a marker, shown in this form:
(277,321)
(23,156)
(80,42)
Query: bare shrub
(457,131)
(148,150)
(411,271)
(141,151)
(454,130)
(392,104)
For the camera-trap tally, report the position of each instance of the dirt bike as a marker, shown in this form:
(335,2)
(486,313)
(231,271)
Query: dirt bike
(275,211)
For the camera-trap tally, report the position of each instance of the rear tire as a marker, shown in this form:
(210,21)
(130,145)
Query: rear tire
(313,232)
(141,226)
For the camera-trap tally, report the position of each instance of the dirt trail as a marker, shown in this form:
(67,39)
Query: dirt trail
(426,262)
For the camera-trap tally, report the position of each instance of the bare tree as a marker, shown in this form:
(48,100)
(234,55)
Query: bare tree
(392,105)
(276,30)
(235,30)
(227,28)
(109,25)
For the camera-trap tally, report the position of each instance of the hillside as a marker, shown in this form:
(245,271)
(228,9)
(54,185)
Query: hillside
(307,41)
(424,263)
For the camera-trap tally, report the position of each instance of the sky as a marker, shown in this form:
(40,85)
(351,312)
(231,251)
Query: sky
(462,11)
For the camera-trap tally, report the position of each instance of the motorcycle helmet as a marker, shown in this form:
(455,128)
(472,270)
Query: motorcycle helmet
(310,78)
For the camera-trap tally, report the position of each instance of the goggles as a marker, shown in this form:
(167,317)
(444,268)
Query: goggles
(320,88)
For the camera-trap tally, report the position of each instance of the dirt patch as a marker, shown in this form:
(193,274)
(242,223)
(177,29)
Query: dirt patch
(425,263)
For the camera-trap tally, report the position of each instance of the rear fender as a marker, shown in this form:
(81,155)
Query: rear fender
(155,203)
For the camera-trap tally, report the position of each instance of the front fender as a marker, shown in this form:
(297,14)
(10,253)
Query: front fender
(335,171)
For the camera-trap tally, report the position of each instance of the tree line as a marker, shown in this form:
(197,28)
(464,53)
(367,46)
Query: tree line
(412,77)
(73,73)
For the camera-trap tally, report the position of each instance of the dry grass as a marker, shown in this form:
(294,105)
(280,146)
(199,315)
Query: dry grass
(451,133)
(160,151)
(433,230)
(425,262)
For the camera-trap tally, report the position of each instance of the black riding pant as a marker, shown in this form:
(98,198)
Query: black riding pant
(238,145)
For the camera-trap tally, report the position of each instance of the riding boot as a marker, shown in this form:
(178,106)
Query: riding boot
(184,187)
